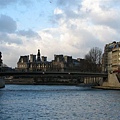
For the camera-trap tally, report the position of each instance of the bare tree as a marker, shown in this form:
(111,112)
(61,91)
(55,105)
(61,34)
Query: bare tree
(0,59)
(93,60)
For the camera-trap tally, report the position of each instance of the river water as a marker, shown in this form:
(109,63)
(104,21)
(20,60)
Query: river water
(40,102)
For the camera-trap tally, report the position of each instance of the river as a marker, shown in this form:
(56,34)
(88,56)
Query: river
(41,102)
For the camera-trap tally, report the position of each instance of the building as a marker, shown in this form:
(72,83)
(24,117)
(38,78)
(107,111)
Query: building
(116,58)
(58,63)
(111,57)
(23,63)
(109,61)
(67,63)
(39,63)
(33,63)
(62,63)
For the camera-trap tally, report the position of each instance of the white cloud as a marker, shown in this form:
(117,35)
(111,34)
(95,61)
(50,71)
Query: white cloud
(84,25)
(58,11)
(102,12)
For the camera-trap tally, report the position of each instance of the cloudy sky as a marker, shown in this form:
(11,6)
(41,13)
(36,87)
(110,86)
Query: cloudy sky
(68,27)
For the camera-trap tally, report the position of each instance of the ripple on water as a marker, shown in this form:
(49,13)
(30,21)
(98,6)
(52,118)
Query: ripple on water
(21,102)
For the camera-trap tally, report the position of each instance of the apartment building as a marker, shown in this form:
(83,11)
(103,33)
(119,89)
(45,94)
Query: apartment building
(116,58)
(111,57)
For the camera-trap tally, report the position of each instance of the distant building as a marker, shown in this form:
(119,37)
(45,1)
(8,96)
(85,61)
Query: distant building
(39,63)
(66,63)
(58,63)
(38,56)
(23,63)
(31,63)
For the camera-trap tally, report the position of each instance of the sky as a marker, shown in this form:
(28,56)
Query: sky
(68,27)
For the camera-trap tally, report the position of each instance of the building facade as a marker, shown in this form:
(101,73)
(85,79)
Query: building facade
(39,63)
(111,57)
(33,63)
(62,63)
(116,58)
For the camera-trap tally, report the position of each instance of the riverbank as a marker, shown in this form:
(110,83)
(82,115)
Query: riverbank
(106,87)
(34,81)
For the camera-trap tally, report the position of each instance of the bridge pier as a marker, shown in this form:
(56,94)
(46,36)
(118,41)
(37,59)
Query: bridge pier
(93,81)
(2,83)
(89,80)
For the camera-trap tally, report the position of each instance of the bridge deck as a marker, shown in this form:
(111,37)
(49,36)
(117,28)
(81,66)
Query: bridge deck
(80,74)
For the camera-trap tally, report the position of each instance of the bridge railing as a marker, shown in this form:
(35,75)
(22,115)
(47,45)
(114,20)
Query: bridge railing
(14,73)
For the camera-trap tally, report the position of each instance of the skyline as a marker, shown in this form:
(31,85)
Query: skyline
(56,27)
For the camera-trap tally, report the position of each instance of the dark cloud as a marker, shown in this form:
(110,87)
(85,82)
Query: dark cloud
(113,23)
(67,2)
(28,33)
(72,14)
(57,17)
(5,38)
(68,14)
(7,24)
(62,2)
(26,2)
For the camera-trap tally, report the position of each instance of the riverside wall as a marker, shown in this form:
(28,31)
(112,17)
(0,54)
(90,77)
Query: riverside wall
(112,83)
(113,80)
(39,81)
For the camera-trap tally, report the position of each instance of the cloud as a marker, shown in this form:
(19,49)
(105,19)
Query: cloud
(99,12)
(102,12)
(68,41)
(80,25)
(69,3)
(4,3)
(58,11)
(70,8)
(29,33)
(84,25)
(7,24)
(10,39)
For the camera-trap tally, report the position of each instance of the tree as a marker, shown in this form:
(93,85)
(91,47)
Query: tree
(0,59)
(93,60)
